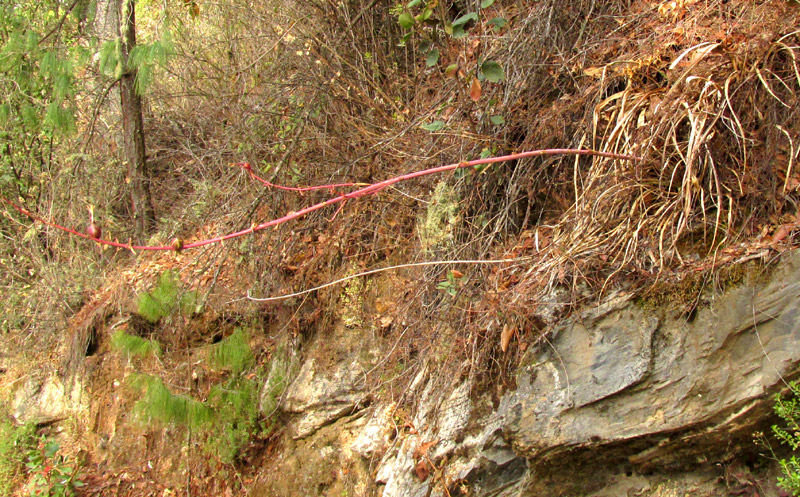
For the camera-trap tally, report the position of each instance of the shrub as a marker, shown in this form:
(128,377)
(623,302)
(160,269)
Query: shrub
(15,442)
(132,345)
(164,298)
(52,474)
(229,419)
(161,405)
(235,405)
(788,409)
(232,353)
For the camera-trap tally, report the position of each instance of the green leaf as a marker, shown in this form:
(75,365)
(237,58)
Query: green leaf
(432,58)
(424,16)
(31,41)
(497,120)
(486,3)
(486,153)
(413,3)
(458,31)
(59,118)
(48,65)
(498,23)
(405,20)
(492,71)
(434,126)
(472,16)
(5,113)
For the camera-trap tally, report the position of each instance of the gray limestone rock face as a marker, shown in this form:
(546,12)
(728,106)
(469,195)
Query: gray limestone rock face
(318,398)
(621,374)
(44,400)
(617,391)
(617,382)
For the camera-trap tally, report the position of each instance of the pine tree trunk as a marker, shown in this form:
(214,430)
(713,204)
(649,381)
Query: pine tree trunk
(133,129)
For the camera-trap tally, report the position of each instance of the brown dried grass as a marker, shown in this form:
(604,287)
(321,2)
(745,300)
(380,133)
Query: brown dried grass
(706,109)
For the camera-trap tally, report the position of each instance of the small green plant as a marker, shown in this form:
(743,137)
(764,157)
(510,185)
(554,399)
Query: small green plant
(52,474)
(164,298)
(132,345)
(352,302)
(233,353)
(436,228)
(788,409)
(160,405)
(450,284)
(235,405)
(230,417)
(282,369)
(15,442)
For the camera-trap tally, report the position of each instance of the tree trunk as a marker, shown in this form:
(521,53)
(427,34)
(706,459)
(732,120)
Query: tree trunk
(133,129)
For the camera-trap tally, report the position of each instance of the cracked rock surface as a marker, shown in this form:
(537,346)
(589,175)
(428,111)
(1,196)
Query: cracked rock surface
(623,400)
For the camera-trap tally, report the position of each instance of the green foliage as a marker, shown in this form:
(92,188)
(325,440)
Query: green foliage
(233,353)
(15,442)
(235,406)
(282,368)
(432,57)
(433,126)
(132,345)
(450,284)
(457,28)
(160,405)
(492,71)
(788,409)
(53,475)
(144,58)
(429,18)
(498,23)
(230,417)
(110,60)
(37,92)
(352,303)
(37,79)
(164,298)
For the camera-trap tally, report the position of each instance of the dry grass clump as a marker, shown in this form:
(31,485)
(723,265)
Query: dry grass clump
(707,96)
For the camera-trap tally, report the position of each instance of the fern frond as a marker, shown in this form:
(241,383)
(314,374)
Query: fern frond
(133,345)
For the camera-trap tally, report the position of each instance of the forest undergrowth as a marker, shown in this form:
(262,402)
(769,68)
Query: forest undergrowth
(705,93)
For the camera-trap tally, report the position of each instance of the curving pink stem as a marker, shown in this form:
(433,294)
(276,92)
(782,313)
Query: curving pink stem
(361,192)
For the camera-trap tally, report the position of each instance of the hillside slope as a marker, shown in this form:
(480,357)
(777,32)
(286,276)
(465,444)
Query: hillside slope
(554,325)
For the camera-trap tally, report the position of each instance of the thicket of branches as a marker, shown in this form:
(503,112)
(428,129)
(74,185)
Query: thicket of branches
(321,92)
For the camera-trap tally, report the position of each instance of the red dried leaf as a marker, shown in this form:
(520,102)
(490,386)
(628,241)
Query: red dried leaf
(422,470)
(423,449)
(781,233)
(475,91)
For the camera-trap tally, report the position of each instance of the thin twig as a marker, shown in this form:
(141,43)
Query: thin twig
(379,270)
(363,11)
(96,112)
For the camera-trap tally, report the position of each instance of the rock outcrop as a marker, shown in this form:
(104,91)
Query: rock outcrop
(637,391)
